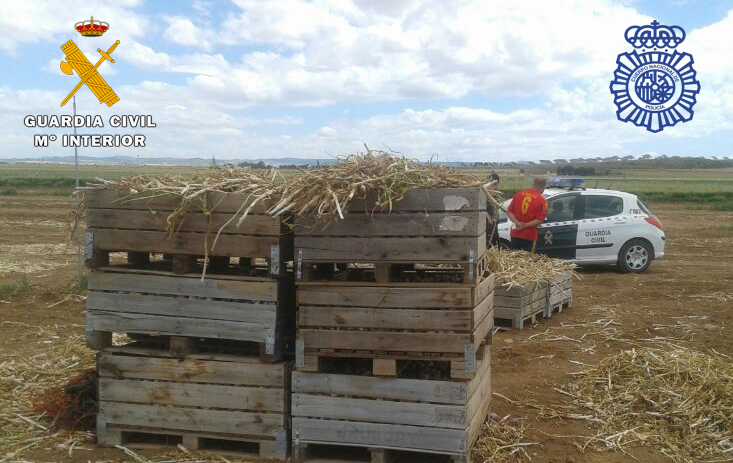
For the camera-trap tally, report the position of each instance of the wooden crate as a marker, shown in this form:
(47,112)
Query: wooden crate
(257,310)
(438,417)
(518,304)
(121,222)
(560,295)
(213,403)
(445,225)
(418,322)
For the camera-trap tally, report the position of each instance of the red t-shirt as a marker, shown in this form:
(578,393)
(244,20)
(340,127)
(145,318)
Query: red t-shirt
(526,206)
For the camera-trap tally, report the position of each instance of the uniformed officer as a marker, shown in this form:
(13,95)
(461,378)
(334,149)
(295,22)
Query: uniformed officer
(527,210)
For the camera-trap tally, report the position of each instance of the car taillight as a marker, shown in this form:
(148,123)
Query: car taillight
(654,221)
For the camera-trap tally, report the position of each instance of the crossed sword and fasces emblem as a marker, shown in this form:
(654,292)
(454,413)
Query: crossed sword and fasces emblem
(89,75)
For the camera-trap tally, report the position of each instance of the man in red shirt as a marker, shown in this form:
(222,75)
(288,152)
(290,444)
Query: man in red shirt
(527,210)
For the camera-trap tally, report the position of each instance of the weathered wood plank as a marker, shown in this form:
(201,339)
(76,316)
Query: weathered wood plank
(428,200)
(417,438)
(244,371)
(220,202)
(192,419)
(259,399)
(392,249)
(183,243)
(184,286)
(440,392)
(397,224)
(397,341)
(124,322)
(254,224)
(263,313)
(379,411)
(386,297)
(361,317)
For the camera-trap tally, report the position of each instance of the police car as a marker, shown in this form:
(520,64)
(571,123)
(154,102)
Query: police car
(594,226)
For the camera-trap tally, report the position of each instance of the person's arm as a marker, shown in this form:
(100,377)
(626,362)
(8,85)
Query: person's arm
(509,213)
(541,215)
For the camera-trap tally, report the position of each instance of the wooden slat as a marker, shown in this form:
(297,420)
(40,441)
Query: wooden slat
(124,322)
(379,340)
(441,392)
(180,286)
(483,309)
(222,202)
(192,419)
(483,289)
(393,249)
(260,399)
(430,200)
(379,411)
(518,291)
(385,296)
(254,224)
(182,243)
(416,438)
(261,313)
(408,319)
(482,411)
(521,301)
(397,224)
(249,372)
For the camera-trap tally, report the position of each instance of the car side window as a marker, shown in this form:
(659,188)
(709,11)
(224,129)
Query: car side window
(561,209)
(597,206)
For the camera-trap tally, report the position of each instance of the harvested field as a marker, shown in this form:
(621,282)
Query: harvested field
(684,299)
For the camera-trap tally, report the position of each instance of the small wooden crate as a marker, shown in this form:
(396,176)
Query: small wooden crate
(257,310)
(224,403)
(520,303)
(415,415)
(446,225)
(118,221)
(398,321)
(560,295)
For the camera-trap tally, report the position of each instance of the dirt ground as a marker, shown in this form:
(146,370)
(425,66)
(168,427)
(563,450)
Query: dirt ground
(688,295)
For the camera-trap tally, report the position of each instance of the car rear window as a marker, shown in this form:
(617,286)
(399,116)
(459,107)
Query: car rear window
(643,207)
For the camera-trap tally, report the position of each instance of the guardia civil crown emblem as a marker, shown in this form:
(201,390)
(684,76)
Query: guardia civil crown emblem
(656,88)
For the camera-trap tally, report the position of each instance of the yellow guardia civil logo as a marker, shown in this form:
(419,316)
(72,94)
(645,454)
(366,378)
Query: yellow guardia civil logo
(76,61)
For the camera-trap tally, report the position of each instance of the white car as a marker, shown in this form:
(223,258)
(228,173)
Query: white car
(594,226)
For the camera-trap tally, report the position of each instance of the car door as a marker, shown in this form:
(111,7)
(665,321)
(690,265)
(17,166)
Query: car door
(603,227)
(557,237)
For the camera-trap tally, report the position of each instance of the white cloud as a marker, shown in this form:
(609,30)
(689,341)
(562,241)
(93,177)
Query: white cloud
(182,31)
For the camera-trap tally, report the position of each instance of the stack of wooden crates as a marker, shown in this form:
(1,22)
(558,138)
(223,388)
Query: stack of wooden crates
(516,305)
(206,368)
(395,317)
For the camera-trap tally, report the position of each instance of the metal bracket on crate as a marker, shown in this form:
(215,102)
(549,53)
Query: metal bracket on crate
(88,325)
(297,456)
(275,260)
(281,442)
(101,421)
(471,260)
(270,344)
(299,265)
(299,353)
(88,245)
(469,362)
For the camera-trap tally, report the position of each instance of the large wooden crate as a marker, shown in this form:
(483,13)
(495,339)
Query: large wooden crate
(518,304)
(225,403)
(400,321)
(118,221)
(560,294)
(438,226)
(158,303)
(394,414)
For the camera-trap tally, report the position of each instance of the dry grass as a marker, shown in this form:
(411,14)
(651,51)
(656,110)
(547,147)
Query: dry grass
(502,441)
(677,400)
(520,268)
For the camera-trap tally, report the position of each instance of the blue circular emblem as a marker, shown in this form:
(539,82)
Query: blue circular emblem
(655,88)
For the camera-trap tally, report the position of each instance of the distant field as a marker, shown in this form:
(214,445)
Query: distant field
(710,186)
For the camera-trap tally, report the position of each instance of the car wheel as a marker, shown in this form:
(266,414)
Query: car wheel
(635,256)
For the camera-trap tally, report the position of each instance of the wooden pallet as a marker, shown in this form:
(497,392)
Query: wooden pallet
(120,222)
(560,295)
(427,226)
(446,322)
(518,304)
(436,417)
(219,403)
(259,310)
(327,453)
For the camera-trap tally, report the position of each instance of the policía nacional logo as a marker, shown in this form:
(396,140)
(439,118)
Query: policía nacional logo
(657,87)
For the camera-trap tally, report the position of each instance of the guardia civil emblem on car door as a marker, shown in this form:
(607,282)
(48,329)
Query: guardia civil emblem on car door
(657,87)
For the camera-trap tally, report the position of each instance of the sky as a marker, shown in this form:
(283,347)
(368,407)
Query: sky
(464,80)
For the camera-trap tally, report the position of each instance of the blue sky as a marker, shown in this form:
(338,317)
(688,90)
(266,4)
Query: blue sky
(469,80)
